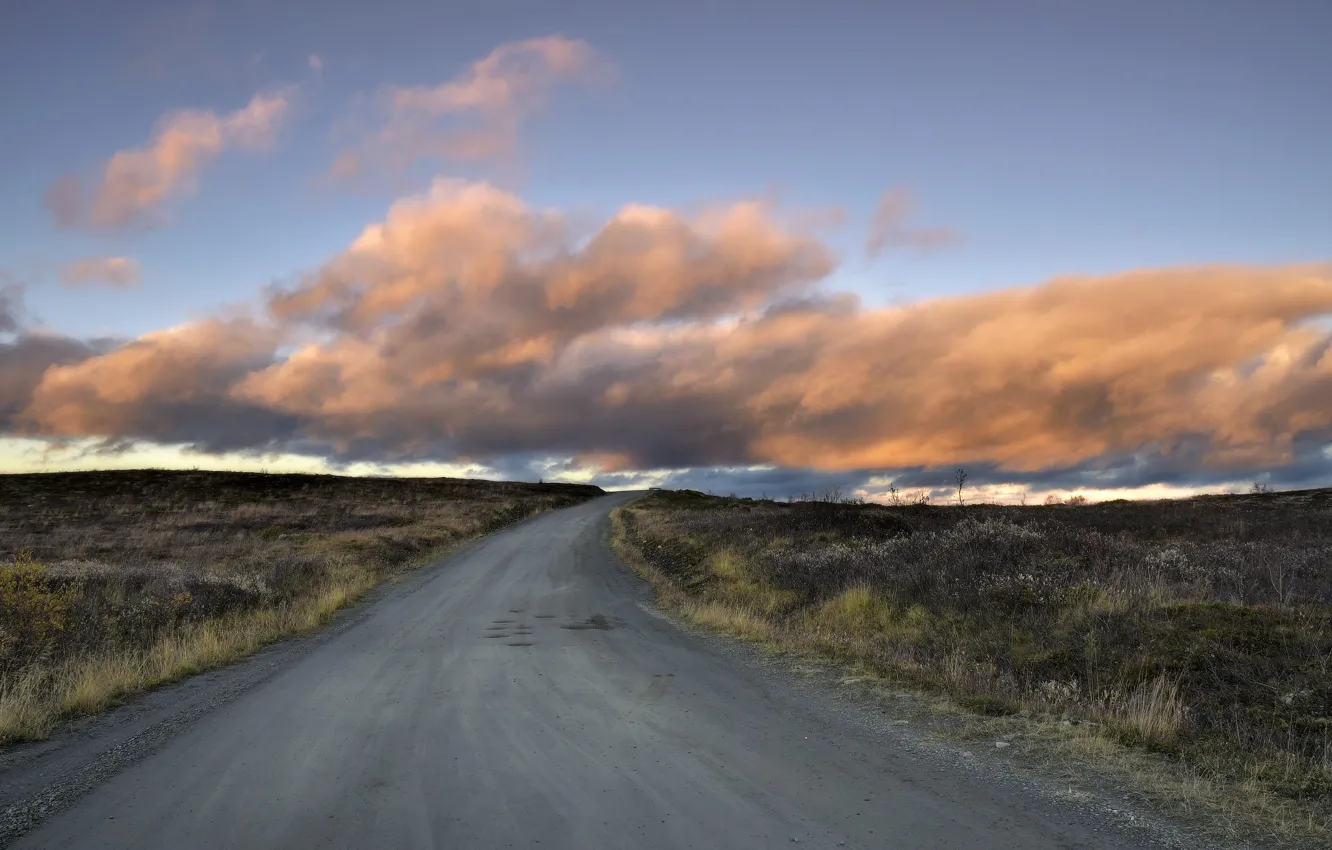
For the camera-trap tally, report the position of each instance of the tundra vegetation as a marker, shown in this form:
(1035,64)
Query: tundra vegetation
(111,582)
(1190,640)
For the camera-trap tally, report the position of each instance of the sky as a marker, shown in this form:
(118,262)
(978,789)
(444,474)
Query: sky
(764,248)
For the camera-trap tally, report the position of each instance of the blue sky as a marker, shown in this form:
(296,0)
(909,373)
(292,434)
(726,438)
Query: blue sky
(1056,137)
(1053,137)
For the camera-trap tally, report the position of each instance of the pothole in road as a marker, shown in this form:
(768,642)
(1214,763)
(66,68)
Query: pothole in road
(600,622)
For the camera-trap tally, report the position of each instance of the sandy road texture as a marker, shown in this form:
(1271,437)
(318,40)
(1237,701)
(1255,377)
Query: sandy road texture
(520,694)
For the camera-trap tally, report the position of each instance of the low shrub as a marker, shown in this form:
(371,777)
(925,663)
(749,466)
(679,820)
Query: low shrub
(33,611)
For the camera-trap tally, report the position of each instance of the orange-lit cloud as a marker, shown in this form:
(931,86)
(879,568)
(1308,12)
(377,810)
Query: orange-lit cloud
(120,272)
(168,386)
(1071,370)
(890,227)
(476,115)
(134,184)
(470,324)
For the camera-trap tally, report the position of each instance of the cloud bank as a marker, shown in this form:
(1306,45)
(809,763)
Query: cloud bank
(469,325)
(134,184)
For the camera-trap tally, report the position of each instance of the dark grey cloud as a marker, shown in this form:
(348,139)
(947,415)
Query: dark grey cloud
(1309,466)
(23,363)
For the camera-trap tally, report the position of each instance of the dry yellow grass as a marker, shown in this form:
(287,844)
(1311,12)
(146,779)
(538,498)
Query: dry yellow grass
(731,618)
(32,703)
(1153,713)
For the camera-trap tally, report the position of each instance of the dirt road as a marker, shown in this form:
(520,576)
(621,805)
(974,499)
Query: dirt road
(523,694)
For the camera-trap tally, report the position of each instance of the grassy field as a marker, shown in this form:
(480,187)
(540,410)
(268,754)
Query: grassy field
(1191,639)
(111,582)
